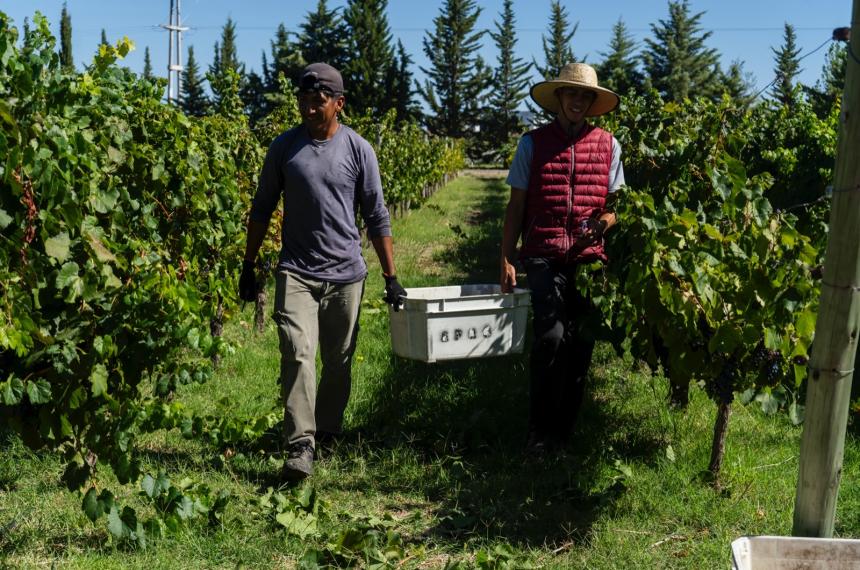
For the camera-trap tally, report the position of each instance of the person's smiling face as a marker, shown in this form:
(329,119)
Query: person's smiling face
(574,102)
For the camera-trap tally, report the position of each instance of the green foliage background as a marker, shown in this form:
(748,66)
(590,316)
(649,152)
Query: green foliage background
(122,225)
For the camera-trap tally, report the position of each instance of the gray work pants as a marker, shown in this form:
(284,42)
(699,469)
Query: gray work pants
(310,312)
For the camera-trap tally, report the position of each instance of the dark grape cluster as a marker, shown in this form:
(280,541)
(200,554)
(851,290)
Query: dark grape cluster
(759,355)
(723,386)
(773,367)
(767,362)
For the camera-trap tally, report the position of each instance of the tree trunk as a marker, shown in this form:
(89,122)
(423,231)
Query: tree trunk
(216,327)
(260,307)
(718,447)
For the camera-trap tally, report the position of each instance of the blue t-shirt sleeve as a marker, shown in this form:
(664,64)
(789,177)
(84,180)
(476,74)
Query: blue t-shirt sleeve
(616,168)
(518,175)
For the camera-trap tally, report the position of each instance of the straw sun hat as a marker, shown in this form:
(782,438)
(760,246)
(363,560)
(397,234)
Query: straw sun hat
(575,75)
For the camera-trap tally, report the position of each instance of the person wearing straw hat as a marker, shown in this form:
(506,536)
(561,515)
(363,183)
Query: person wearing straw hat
(561,178)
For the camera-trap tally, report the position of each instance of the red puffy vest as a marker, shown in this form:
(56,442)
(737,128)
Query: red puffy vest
(563,192)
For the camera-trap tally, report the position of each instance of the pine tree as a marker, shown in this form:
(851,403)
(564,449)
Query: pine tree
(286,58)
(458,76)
(147,65)
(225,60)
(372,57)
(510,84)
(557,51)
(229,59)
(828,89)
(677,61)
(104,40)
(787,67)
(216,59)
(400,85)
(324,37)
(556,46)
(253,95)
(66,59)
(619,70)
(739,84)
(192,97)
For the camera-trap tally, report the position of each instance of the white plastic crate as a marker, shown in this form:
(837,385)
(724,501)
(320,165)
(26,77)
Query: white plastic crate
(795,553)
(465,321)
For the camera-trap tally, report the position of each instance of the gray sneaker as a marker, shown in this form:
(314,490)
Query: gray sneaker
(300,462)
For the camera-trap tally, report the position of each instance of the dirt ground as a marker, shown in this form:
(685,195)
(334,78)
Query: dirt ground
(485,173)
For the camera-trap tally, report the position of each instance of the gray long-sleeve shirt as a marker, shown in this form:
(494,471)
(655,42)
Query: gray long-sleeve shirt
(324,185)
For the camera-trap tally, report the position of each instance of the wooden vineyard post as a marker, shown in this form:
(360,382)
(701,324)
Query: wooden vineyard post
(837,327)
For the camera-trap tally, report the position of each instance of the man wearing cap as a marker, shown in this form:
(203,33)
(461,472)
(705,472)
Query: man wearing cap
(561,177)
(327,174)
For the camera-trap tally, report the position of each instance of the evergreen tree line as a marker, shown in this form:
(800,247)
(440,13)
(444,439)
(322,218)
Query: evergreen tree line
(465,96)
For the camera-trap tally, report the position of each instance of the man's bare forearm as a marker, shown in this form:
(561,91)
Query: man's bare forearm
(385,252)
(256,235)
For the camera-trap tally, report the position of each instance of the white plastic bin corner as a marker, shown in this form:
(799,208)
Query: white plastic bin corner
(795,553)
(460,321)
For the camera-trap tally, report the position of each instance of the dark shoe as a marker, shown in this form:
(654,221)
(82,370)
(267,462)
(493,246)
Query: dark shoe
(300,462)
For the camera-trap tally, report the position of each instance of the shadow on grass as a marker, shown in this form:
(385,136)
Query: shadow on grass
(473,413)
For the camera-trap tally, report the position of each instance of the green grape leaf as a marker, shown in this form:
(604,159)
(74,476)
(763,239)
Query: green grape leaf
(116,526)
(185,508)
(115,155)
(91,505)
(103,201)
(57,247)
(5,219)
(193,338)
(148,485)
(77,473)
(102,253)
(68,278)
(769,403)
(726,339)
(126,469)
(805,324)
(99,380)
(39,391)
(298,523)
(11,391)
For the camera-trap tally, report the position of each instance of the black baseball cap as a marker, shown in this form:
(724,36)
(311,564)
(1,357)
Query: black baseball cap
(321,77)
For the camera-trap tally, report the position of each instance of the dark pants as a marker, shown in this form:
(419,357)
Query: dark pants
(562,348)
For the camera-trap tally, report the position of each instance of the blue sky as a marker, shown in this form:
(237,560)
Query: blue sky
(742,29)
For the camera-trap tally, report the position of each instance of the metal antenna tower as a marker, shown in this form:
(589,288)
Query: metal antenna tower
(174,56)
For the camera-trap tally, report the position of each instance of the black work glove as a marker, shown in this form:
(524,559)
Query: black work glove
(248,282)
(394,293)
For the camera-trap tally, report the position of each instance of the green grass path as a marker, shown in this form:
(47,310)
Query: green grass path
(436,451)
